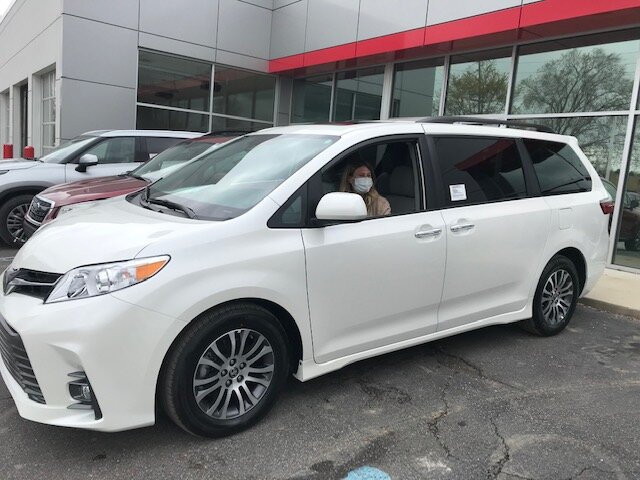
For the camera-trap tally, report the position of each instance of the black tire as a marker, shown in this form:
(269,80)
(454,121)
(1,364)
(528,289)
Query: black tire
(185,362)
(558,315)
(13,207)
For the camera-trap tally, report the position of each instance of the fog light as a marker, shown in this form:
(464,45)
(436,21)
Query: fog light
(81,391)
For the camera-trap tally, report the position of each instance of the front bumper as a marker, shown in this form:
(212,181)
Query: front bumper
(119,346)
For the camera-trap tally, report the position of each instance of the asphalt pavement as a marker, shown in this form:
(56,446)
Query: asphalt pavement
(494,403)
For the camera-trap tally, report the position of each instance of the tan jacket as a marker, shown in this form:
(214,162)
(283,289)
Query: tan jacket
(377,205)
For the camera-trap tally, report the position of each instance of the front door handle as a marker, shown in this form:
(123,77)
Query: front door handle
(428,233)
(463,227)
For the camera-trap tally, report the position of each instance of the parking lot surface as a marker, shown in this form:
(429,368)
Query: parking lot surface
(494,403)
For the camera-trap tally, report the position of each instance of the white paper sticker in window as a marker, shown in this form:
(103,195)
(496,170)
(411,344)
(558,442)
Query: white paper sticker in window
(458,192)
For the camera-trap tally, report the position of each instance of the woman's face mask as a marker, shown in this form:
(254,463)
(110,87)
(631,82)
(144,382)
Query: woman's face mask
(362,184)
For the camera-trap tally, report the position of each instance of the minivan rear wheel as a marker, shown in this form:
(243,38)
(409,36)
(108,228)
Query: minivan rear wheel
(226,371)
(555,298)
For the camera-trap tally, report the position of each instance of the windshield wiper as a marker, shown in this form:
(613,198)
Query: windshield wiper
(172,205)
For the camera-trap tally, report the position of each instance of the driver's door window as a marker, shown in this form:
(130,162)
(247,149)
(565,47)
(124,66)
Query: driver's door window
(114,150)
(115,156)
(384,174)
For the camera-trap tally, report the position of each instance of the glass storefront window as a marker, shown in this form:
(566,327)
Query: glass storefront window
(243,94)
(162,119)
(184,87)
(417,87)
(627,251)
(173,81)
(48,112)
(223,123)
(311,99)
(600,138)
(478,83)
(358,94)
(582,74)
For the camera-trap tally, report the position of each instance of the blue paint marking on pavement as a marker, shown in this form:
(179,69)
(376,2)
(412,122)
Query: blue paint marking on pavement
(367,473)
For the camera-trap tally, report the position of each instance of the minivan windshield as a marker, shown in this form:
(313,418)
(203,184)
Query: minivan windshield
(65,150)
(230,180)
(170,159)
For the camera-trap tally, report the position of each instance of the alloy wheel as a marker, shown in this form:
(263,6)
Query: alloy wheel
(557,296)
(233,374)
(14,222)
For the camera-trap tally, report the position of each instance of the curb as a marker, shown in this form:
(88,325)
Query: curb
(611,307)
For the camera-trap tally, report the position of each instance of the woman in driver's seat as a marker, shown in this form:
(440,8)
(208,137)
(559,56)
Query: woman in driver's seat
(359,177)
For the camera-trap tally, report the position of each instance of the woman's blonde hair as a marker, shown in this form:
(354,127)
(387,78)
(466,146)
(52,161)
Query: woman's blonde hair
(345,186)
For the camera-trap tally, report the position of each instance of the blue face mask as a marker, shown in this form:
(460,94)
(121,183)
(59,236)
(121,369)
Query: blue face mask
(362,184)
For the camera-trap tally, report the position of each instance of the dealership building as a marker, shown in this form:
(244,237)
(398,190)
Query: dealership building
(69,66)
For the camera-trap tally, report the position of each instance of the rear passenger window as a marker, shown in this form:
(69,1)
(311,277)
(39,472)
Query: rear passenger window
(480,169)
(558,168)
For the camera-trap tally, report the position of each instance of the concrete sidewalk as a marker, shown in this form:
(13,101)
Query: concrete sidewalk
(617,292)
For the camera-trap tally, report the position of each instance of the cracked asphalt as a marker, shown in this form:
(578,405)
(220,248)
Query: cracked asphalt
(497,403)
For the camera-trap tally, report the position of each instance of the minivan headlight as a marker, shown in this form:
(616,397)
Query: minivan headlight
(94,280)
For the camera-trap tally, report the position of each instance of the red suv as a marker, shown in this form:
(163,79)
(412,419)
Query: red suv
(57,200)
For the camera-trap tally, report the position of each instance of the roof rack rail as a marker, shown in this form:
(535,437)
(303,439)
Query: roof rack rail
(487,121)
(228,132)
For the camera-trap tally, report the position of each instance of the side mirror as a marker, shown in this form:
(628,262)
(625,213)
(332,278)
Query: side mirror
(86,160)
(341,206)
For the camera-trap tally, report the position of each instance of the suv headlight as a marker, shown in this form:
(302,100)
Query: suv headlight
(94,280)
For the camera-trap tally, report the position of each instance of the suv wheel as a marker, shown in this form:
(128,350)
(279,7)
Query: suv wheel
(226,371)
(12,215)
(633,244)
(555,299)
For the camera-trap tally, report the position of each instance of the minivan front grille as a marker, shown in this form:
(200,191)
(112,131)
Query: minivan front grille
(38,209)
(17,361)
(29,282)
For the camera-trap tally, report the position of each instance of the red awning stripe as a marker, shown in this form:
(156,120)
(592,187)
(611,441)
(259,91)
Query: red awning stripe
(534,20)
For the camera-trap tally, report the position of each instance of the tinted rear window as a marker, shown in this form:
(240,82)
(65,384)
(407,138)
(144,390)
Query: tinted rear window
(480,169)
(558,167)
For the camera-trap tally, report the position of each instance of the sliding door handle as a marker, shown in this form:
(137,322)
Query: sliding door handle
(462,227)
(428,233)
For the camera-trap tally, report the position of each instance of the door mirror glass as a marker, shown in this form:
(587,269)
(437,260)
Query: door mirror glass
(341,206)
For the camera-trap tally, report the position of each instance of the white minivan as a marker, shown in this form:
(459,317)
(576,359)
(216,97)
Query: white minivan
(299,250)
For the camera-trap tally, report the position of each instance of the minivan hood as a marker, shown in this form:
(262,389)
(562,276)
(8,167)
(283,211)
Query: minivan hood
(92,189)
(108,231)
(17,164)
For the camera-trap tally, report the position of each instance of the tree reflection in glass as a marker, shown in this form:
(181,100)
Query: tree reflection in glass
(478,87)
(578,81)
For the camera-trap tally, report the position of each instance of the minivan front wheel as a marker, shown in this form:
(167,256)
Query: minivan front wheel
(555,299)
(226,371)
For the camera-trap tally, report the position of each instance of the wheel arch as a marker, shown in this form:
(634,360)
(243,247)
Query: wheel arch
(286,320)
(578,260)
(21,190)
